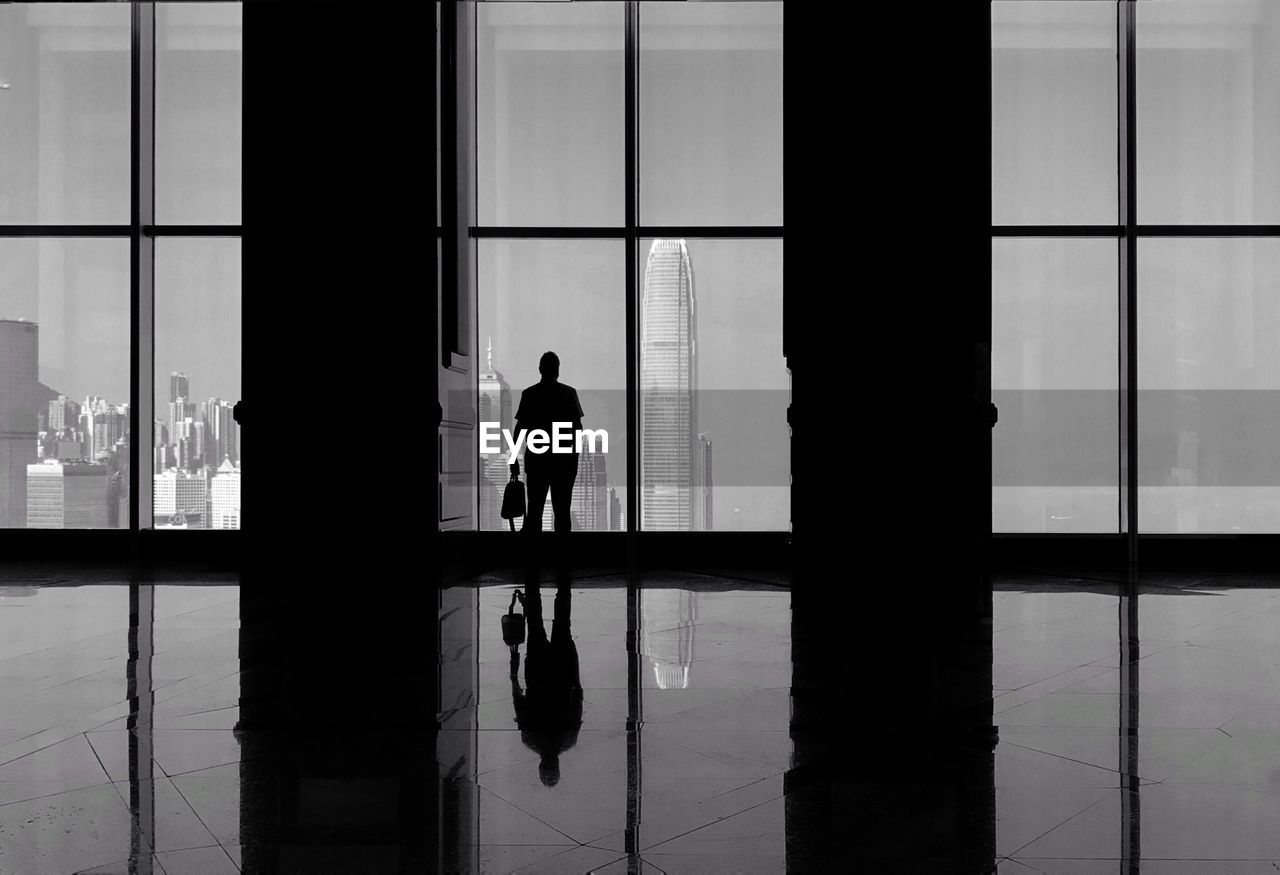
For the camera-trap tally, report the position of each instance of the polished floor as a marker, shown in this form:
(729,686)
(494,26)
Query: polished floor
(642,723)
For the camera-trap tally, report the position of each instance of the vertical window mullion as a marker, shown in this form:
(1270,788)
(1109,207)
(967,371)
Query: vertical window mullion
(1128,273)
(631,132)
(141,263)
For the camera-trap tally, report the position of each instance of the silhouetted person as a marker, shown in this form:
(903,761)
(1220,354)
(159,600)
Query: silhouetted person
(549,708)
(541,405)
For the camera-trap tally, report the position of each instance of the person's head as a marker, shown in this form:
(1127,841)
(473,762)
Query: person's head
(549,770)
(549,366)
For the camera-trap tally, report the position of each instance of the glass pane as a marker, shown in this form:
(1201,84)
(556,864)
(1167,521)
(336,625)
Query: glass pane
(714,441)
(198,58)
(195,449)
(1055,379)
(64,383)
(549,120)
(711,113)
(566,296)
(1209,385)
(1208,111)
(64,113)
(1053,113)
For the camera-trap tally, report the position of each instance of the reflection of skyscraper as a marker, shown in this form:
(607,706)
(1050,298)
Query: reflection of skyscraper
(19,345)
(494,403)
(669,616)
(668,391)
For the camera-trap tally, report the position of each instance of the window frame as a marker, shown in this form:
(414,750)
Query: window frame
(142,231)
(1126,231)
(630,233)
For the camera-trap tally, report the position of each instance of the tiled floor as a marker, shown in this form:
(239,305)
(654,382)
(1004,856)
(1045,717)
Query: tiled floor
(1138,729)
(683,745)
(93,779)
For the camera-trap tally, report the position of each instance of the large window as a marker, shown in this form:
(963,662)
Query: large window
(1136,266)
(119,263)
(629,203)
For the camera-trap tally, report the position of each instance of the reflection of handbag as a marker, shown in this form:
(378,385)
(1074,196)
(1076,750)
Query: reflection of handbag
(513,498)
(513,624)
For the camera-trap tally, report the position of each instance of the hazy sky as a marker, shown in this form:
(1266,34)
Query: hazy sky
(64,158)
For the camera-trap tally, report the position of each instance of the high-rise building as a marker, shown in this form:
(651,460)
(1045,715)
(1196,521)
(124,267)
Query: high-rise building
(179,386)
(68,495)
(180,411)
(224,497)
(63,413)
(494,405)
(590,504)
(180,494)
(220,437)
(668,391)
(19,354)
(616,519)
(702,484)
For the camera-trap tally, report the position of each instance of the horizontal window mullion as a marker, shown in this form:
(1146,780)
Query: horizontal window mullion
(1057,230)
(621,232)
(192,230)
(1142,231)
(1209,230)
(65,230)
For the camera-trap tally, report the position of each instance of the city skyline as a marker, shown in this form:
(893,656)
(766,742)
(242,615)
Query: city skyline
(65,463)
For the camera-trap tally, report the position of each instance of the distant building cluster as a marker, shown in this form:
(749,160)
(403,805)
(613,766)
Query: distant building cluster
(64,464)
(196,464)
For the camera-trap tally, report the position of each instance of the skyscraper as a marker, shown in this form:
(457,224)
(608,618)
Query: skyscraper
(179,411)
(68,495)
(668,392)
(224,497)
(180,494)
(590,503)
(19,354)
(702,484)
(179,386)
(63,413)
(220,437)
(617,521)
(494,405)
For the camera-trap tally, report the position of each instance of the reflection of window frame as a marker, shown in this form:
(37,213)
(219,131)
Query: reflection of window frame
(1127,231)
(631,233)
(142,231)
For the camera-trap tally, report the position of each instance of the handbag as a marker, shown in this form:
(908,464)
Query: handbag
(513,624)
(513,497)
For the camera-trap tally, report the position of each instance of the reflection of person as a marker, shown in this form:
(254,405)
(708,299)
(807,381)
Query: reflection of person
(549,709)
(541,406)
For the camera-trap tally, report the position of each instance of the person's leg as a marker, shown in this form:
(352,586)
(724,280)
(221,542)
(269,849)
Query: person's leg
(536,483)
(562,494)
